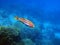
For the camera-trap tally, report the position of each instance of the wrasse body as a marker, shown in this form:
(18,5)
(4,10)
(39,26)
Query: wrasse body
(25,21)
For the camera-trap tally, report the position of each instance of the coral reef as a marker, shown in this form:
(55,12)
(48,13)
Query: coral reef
(8,36)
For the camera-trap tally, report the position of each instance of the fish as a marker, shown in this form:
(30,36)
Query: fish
(25,21)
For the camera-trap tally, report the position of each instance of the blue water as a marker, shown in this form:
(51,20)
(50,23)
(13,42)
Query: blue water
(45,14)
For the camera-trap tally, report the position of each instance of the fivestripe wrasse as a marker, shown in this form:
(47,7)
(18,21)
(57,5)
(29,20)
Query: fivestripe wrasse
(25,21)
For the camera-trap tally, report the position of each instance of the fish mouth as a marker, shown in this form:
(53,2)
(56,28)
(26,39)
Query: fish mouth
(31,26)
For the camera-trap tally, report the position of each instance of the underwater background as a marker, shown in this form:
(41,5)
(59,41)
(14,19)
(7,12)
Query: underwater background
(45,14)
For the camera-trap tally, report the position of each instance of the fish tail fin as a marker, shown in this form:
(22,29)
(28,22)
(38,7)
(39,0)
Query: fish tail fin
(16,18)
